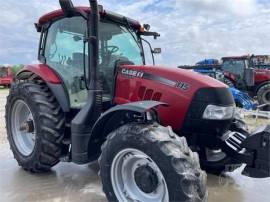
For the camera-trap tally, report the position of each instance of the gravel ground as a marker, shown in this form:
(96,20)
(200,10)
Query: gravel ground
(253,123)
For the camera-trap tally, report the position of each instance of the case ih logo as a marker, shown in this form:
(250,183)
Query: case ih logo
(139,74)
(133,73)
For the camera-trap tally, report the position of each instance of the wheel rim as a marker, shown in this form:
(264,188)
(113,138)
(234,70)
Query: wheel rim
(125,169)
(214,155)
(23,128)
(267,97)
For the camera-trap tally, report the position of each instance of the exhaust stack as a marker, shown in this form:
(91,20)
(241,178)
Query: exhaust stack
(81,125)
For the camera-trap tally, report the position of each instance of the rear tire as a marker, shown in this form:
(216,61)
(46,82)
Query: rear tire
(263,95)
(176,163)
(49,125)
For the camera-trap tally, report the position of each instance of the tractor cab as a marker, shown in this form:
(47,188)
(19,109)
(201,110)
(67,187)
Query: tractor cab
(260,62)
(64,45)
(239,71)
(3,72)
(6,76)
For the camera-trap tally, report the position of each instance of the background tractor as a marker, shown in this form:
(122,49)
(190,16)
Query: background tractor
(6,76)
(213,69)
(251,74)
(93,97)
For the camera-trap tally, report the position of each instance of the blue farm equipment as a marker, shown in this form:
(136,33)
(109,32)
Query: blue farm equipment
(242,99)
(208,62)
(211,68)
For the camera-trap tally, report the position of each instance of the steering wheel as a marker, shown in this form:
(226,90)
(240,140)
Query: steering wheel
(114,49)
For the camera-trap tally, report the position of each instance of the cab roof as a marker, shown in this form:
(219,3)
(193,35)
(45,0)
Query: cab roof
(54,15)
(243,57)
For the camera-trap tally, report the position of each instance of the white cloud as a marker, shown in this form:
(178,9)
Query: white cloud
(191,30)
(237,7)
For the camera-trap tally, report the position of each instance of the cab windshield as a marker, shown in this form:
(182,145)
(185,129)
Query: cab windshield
(234,66)
(3,72)
(118,42)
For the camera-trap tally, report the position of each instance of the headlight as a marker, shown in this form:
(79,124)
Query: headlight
(214,112)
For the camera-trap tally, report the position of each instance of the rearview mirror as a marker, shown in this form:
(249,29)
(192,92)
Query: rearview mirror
(156,51)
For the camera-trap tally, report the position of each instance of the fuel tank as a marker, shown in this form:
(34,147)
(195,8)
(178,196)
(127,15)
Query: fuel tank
(174,86)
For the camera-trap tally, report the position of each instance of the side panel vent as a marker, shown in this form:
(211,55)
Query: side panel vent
(141,93)
(148,94)
(157,96)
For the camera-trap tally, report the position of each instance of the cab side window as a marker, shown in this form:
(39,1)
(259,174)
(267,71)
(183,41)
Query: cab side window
(64,52)
(236,67)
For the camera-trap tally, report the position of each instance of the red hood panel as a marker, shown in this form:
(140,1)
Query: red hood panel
(194,79)
(173,86)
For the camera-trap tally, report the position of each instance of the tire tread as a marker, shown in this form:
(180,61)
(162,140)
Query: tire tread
(51,120)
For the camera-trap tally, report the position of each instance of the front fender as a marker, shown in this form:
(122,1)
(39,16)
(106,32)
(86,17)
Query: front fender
(116,117)
(135,107)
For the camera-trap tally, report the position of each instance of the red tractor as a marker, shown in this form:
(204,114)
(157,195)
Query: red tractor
(92,97)
(6,76)
(251,74)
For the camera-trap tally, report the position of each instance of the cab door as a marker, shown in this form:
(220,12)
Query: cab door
(64,52)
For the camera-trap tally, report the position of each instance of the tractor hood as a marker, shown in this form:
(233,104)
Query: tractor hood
(176,87)
(180,79)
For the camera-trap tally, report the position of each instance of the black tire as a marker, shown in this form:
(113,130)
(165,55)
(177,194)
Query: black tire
(263,96)
(179,165)
(49,125)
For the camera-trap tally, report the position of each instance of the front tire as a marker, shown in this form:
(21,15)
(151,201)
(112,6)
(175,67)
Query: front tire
(152,164)
(45,124)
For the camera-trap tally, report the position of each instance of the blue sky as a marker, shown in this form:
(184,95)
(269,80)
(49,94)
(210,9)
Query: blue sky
(191,30)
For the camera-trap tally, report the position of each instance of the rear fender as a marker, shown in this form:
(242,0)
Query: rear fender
(52,80)
(120,115)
